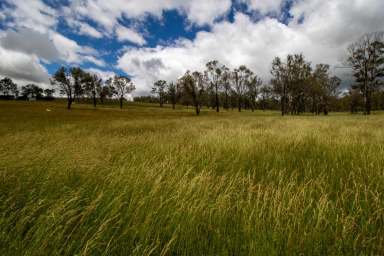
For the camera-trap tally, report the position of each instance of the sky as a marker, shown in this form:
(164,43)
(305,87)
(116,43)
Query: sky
(149,40)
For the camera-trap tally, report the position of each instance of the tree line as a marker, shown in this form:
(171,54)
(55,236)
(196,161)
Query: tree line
(296,85)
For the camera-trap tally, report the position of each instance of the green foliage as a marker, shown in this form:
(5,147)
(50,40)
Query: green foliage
(164,182)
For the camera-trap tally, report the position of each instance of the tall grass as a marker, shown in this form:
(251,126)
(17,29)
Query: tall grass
(150,181)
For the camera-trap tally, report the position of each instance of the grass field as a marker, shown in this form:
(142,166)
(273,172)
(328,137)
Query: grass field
(154,181)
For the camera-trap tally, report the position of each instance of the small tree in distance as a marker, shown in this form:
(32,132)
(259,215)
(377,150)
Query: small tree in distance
(172,94)
(159,89)
(123,86)
(63,80)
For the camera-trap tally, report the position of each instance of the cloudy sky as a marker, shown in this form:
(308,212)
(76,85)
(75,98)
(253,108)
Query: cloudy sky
(152,39)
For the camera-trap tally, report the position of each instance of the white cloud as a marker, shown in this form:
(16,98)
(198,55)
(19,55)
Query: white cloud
(72,52)
(323,35)
(263,6)
(22,67)
(127,34)
(30,42)
(105,75)
(33,14)
(107,13)
(83,28)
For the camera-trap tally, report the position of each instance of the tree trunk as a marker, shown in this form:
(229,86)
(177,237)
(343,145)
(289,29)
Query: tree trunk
(69,103)
(173,105)
(197,109)
(283,102)
(217,100)
(226,100)
(94,100)
(368,104)
(121,103)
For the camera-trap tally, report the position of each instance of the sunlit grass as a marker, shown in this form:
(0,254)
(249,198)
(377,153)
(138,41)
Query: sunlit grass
(154,181)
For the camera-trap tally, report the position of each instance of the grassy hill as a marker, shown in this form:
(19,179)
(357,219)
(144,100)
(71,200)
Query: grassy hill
(155,181)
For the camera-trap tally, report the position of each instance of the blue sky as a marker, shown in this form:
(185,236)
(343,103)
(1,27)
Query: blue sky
(161,39)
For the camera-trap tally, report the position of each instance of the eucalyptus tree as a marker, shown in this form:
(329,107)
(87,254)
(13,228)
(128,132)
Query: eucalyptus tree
(193,86)
(78,83)
(322,87)
(159,88)
(226,83)
(105,91)
(279,82)
(48,93)
(265,93)
(8,87)
(366,56)
(213,75)
(123,86)
(64,81)
(172,93)
(32,90)
(240,79)
(92,85)
(289,80)
(253,87)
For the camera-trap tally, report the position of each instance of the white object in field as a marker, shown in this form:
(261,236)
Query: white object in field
(48,110)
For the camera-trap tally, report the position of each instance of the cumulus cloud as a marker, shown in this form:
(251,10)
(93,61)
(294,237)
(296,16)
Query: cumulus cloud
(105,75)
(321,30)
(263,6)
(126,34)
(30,14)
(22,67)
(107,13)
(72,52)
(83,28)
(30,42)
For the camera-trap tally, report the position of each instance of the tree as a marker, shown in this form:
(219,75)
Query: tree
(279,82)
(213,75)
(123,86)
(78,80)
(32,90)
(8,87)
(330,90)
(193,86)
(253,85)
(265,92)
(105,91)
(290,80)
(241,77)
(159,88)
(226,82)
(92,84)
(366,56)
(172,93)
(62,78)
(49,93)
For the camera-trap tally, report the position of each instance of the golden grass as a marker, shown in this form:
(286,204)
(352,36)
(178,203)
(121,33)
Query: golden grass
(150,181)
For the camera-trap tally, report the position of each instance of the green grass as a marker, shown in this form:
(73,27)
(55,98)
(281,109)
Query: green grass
(154,181)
